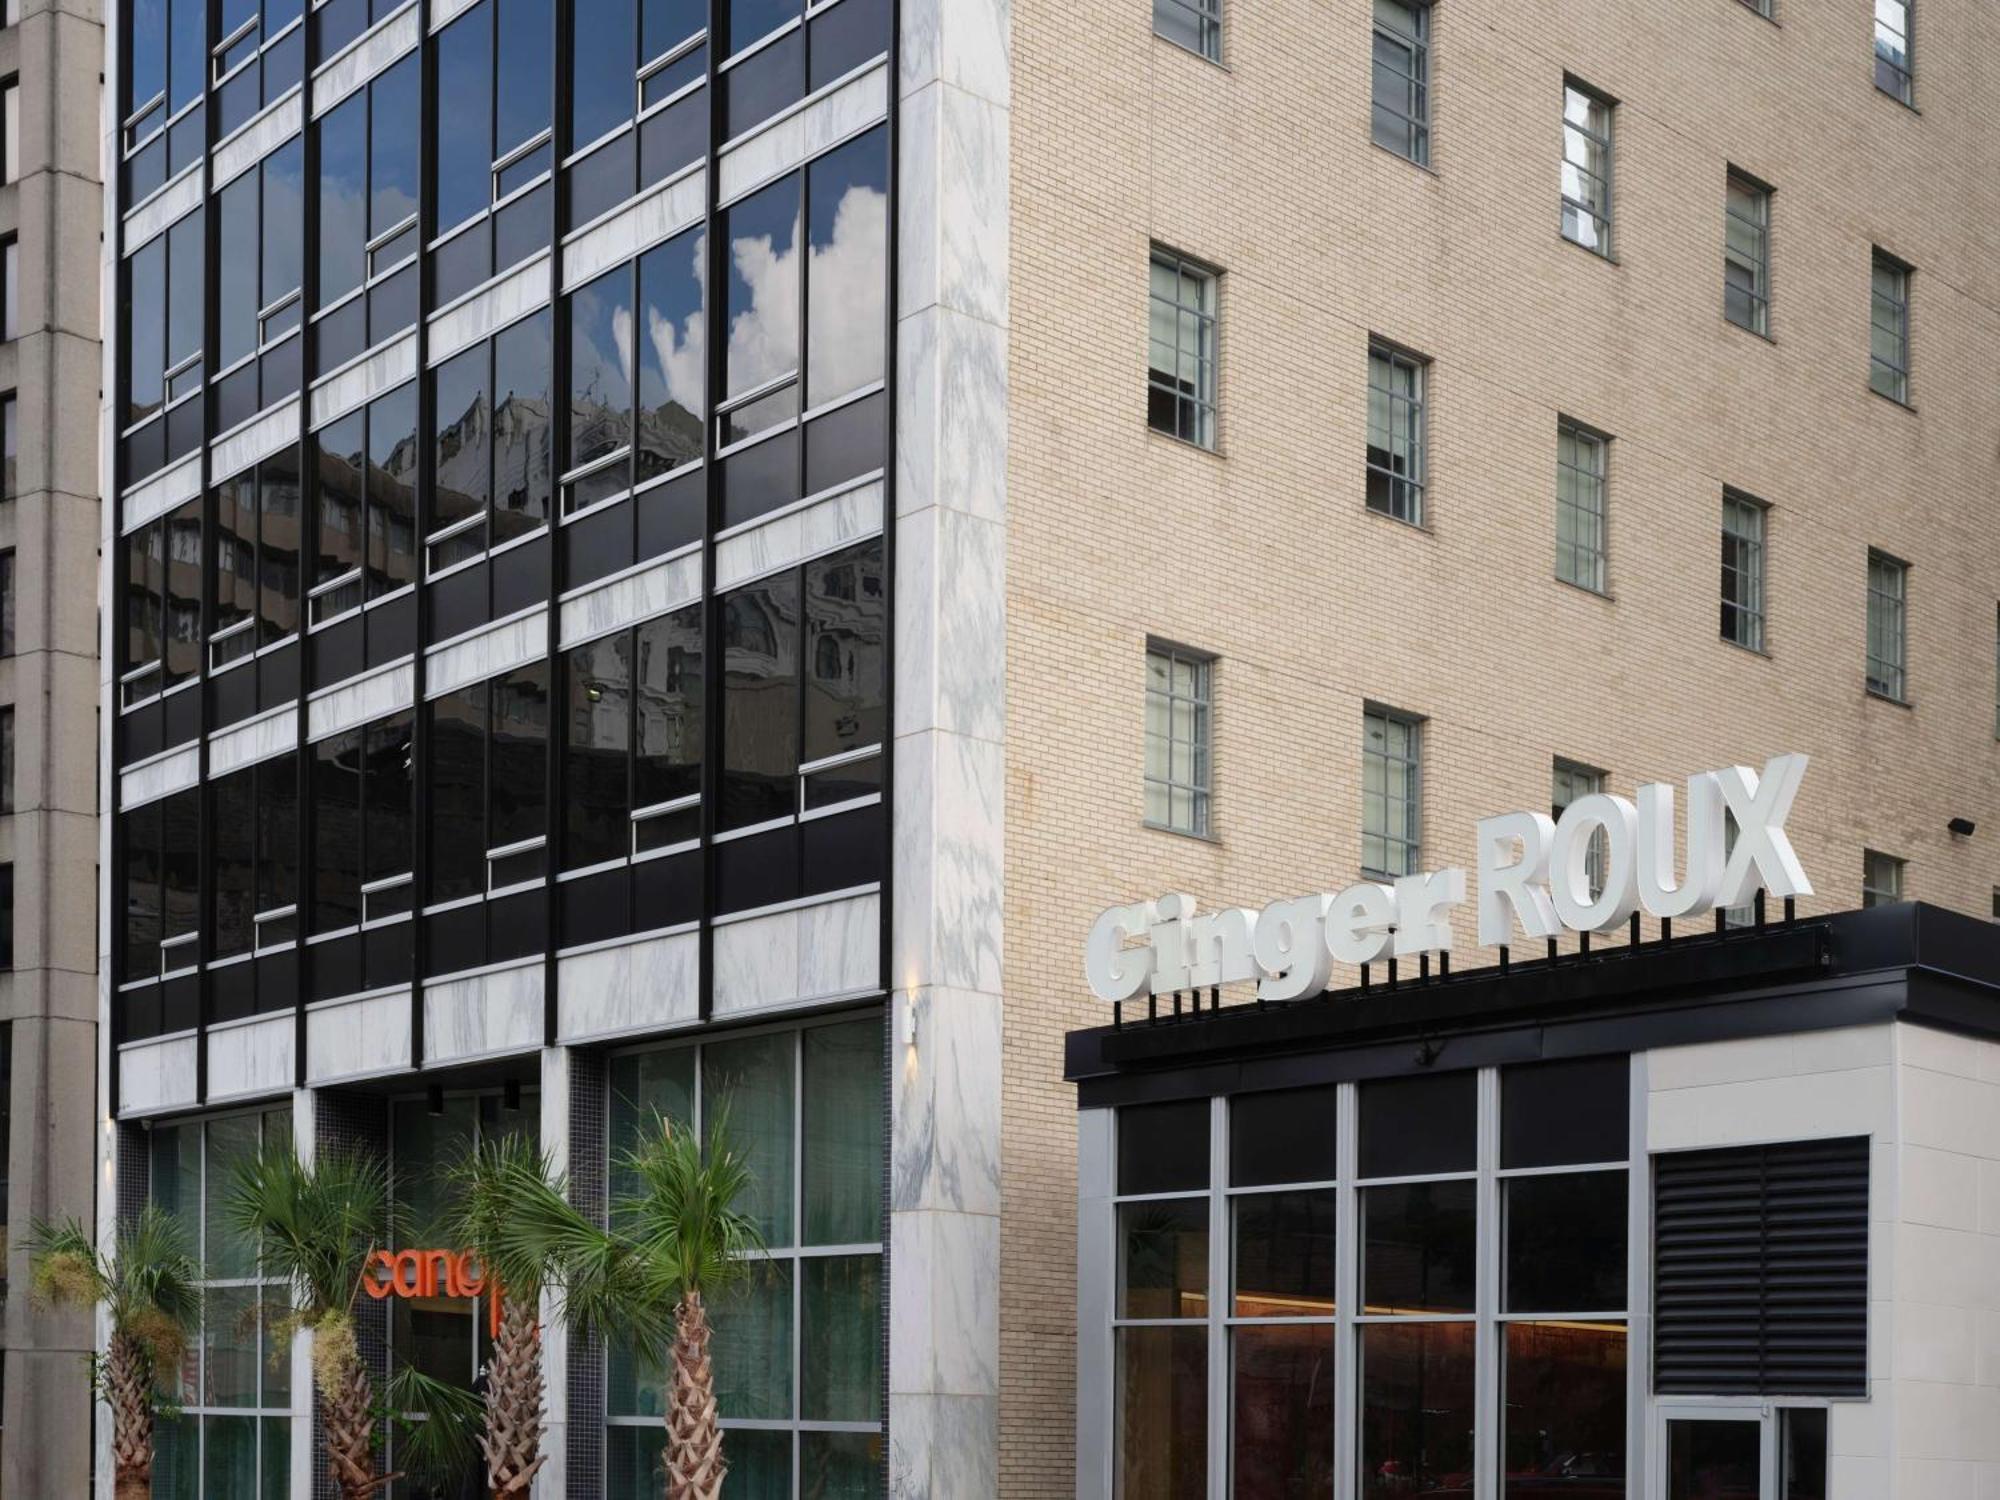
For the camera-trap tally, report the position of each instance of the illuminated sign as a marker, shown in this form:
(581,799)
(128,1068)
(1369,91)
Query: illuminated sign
(1534,871)
(431,1273)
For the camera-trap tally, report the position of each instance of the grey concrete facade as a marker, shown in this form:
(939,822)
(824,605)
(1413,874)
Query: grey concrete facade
(52,210)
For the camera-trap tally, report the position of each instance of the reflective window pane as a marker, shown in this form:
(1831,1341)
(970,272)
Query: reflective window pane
(1564,1113)
(597,731)
(1281,1412)
(1565,1410)
(673,347)
(1566,1238)
(1163,1148)
(846,647)
(1419,1249)
(750,1082)
(523,366)
(1283,1135)
(841,1465)
(1163,1259)
(840,1345)
(1802,1453)
(1416,1408)
(464,126)
(668,668)
(848,196)
(600,377)
(1417,1126)
(1284,1254)
(843,1134)
(760,702)
(343,197)
(1163,1413)
(753,1343)
(762,234)
(1714,1460)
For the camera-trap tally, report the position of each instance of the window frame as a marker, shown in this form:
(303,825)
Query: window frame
(1883,879)
(1201,407)
(1407,492)
(1569,780)
(1756,264)
(1752,603)
(10,129)
(1200,788)
(1415,49)
(1412,804)
(1888,675)
(1889,378)
(1206,18)
(1605,246)
(1902,75)
(1577,563)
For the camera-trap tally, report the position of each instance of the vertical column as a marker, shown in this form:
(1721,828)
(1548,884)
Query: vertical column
(305,1139)
(551,1481)
(950,765)
(1096,1297)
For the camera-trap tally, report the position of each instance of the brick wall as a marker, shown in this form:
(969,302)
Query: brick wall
(1264,553)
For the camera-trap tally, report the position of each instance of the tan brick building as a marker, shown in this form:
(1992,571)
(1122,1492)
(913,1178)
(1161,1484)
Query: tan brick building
(1262,550)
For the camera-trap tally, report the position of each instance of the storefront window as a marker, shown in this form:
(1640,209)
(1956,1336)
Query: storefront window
(798,1345)
(231,1434)
(1523,1170)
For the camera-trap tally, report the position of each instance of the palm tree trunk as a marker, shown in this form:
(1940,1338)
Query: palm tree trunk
(347,1412)
(513,1438)
(127,1383)
(694,1434)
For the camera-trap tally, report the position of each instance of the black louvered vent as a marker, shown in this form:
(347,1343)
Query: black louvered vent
(1760,1270)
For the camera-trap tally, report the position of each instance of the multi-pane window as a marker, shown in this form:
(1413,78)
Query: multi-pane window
(254,824)
(492,444)
(798,1352)
(1193,24)
(256,573)
(163,131)
(260,57)
(1231,1222)
(625,433)
(1586,168)
(1889,327)
(1888,630)
(1396,470)
(162,604)
(1743,570)
(6,916)
(258,305)
(1178,738)
(10,445)
(163,364)
(161,896)
(1391,783)
(1881,878)
(1402,106)
(229,1429)
(1895,49)
(1996,675)
(369,145)
(1582,467)
(7,591)
(1181,358)
(10,288)
(494,172)
(363,841)
(10,130)
(7,759)
(632,727)
(365,504)
(1746,253)
(488,803)
(1573,779)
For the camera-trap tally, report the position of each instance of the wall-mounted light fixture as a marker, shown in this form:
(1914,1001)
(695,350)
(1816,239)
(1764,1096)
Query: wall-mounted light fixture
(910,1022)
(1963,827)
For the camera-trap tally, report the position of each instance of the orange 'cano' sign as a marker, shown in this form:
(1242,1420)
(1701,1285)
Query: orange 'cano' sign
(431,1273)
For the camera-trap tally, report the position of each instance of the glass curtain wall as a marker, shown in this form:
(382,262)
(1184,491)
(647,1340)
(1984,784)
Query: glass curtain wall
(799,1345)
(1309,1279)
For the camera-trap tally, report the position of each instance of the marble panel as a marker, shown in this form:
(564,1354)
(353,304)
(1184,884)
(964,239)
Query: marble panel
(382,45)
(257,138)
(658,215)
(264,434)
(790,537)
(800,953)
(249,1058)
(520,291)
(160,494)
(647,984)
(358,1038)
(487,652)
(373,375)
(253,740)
(776,148)
(631,597)
(157,1076)
(159,777)
(945,1143)
(356,702)
(484,1015)
(178,197)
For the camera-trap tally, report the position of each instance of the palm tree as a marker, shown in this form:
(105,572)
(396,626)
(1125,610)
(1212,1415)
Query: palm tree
(318,1227)
(148,1286)
(491,1181)
(676,1241)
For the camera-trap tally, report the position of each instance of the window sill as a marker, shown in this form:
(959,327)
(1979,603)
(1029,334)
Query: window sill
(1409,161)
(1762,15)
(1598,255)
(1746,328)
(1902,103)
(1422,528)
(1585,589)
(1214,62)
(1896,401)
(1757,651)
(1181,833)
(1180,442)
(1882,697)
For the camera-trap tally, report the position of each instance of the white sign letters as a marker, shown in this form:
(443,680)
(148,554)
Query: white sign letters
(1533,874)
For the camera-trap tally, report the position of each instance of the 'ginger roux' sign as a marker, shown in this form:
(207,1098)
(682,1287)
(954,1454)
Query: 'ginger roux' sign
(1533,871)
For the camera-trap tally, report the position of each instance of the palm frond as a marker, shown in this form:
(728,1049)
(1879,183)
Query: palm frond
(63,1262)
(147,1284)
(437,1425)
(316,1225)
(682,1213)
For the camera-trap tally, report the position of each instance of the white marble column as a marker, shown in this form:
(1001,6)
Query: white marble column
(552,1479)
(950,766)
(305,1141)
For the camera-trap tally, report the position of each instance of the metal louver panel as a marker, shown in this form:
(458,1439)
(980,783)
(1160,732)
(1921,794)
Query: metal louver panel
(1760,1270)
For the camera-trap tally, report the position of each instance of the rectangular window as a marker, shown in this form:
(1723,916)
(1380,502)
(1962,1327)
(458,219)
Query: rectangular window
(7,759)
(488,802)
(1586,168)
(230,1432)
(10,446)
(1889,328)
(1881,879)
(1746,254)
(1178,685)
(255,564)
(1996,674)
(365,480)
(10,288)
(495,62)
(368,231)
(1743,570)
(1182,360)
(1396,474)
(1193,24)
(6,916)
(10,130)
(798,1378)
(492,451)
(1582,464)
(1888,633)
(1895,49)
(362,845)
(1572,780)
(255,856)
(1402,113)
(1391,782)
(7,602)
(162,885)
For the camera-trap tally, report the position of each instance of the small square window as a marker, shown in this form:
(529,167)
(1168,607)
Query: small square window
(1586,168)
(1881,878)
(1178,687)
(1746,254)
(1181,345)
